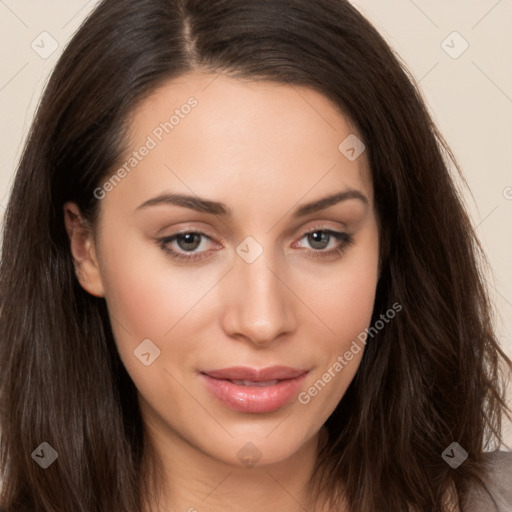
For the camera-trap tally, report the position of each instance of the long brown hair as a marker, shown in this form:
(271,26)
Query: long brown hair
(433,376)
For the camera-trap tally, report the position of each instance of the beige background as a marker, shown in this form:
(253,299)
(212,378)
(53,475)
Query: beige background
(470,97)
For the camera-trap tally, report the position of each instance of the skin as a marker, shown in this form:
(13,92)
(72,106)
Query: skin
(263,149)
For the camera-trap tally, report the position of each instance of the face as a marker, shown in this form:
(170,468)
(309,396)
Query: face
(238,257)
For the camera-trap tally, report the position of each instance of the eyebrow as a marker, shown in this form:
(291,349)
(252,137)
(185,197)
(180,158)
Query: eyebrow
(220,209)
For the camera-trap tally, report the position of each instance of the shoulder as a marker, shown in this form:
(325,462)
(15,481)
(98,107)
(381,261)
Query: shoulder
(498,484)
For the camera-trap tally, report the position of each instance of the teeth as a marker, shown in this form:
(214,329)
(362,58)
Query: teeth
(253,383)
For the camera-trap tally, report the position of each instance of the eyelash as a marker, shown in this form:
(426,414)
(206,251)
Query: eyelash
(345,240)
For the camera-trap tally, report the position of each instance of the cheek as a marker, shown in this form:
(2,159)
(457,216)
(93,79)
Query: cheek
(345,304)
(149,298)
(145,299)
(343,294)
(145,293)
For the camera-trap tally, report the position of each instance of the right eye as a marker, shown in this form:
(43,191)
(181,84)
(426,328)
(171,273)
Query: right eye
(186,242)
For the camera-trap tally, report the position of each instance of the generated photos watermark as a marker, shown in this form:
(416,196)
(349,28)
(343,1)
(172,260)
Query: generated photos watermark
(343,360)
(152,141)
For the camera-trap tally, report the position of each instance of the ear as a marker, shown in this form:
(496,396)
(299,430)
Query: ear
(83,251)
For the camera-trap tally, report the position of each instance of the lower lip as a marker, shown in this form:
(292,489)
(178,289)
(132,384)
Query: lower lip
(254,399)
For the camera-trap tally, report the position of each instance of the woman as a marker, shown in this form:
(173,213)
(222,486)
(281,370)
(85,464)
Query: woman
(236,274)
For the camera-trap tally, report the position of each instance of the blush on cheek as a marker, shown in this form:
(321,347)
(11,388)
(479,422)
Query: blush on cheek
(140,300)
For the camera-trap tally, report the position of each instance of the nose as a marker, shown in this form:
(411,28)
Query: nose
(258,304)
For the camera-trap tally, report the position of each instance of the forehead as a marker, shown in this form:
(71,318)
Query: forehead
(241,132)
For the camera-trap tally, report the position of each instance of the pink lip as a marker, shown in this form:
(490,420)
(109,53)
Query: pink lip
(254,399)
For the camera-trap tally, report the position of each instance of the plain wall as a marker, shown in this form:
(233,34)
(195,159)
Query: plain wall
(469,94)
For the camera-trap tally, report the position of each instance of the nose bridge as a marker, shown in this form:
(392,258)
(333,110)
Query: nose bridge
(260,307)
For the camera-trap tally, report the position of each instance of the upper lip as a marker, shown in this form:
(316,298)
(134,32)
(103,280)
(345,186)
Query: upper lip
(255,374)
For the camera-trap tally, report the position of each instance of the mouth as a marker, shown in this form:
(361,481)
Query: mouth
(253,383)
(252,390)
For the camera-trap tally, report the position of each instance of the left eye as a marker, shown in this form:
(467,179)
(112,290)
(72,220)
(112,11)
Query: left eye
(319,239)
